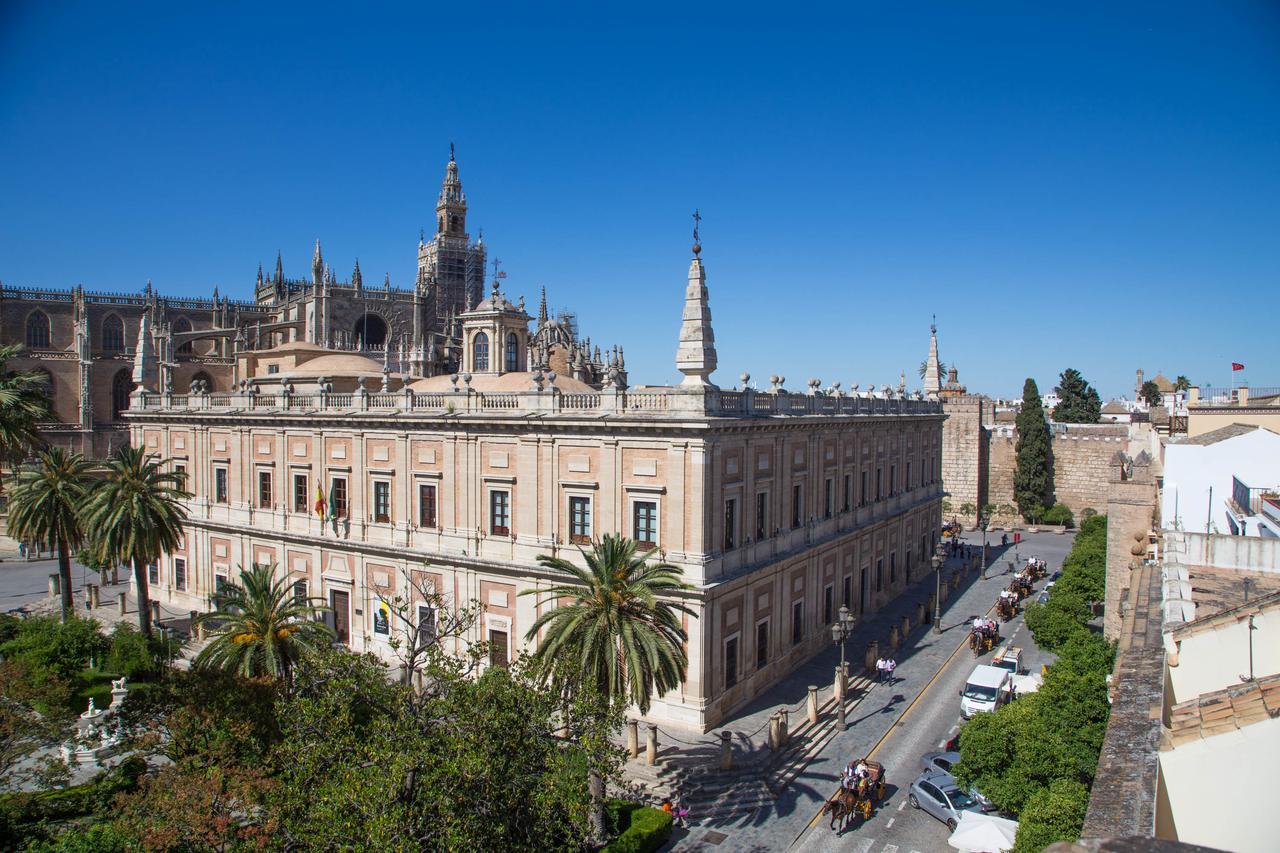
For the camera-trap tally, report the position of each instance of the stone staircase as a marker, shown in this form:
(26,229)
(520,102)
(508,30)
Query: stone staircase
(756,779)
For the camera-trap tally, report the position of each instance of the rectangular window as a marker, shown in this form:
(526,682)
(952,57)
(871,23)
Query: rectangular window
(863,500)
(580,520)
(848,592)
(264,489)
(879,483)
(300,592)
(731,662)
(797,622)
(828,605)
(797,495)
(848,493)
(181,470)
(338,497)
(893,479)
(426,505)
(762,645)
(500,513)
(730,523)
(497,648)
(426,625)
(644,523)
(381,501)
(179,573)
(762,516)
(153,573)
(907,485)
(828,501)
(879,574)
(300,495)
(220,485)
(893,567)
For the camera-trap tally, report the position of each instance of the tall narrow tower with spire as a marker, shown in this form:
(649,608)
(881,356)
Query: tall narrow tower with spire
(696,355)
(932,369)
(450,260)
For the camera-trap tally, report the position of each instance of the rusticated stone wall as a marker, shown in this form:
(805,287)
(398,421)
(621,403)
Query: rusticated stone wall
(964,453)
(1081,455)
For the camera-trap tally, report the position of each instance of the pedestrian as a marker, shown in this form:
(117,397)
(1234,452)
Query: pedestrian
(1004,540)
(22,549)
(880,669)
(889,666)
(680,812)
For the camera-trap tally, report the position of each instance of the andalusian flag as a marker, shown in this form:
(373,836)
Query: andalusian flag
(320,501)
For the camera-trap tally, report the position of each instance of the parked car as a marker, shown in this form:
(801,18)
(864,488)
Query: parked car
(938,762)
(938,794)
(1043,597)
(1055,577)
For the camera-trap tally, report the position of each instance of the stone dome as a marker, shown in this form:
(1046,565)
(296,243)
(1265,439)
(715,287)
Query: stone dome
(337,364)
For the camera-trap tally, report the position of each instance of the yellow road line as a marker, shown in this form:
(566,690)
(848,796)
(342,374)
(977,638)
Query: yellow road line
(895,724)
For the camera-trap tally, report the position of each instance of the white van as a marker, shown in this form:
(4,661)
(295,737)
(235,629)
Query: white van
(987,689)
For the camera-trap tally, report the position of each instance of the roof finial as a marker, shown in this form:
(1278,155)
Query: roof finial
(933,325)
(697,220)
(451,152)
(542,309)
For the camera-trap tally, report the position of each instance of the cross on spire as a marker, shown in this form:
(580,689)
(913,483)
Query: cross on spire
(697,220)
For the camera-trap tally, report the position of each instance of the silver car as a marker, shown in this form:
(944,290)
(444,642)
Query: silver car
(937,794)
(939,762)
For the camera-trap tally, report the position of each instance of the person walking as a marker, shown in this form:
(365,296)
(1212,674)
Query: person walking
(880,670)
(889,666)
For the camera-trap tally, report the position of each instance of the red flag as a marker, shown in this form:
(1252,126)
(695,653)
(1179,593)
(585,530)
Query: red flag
(1235,365)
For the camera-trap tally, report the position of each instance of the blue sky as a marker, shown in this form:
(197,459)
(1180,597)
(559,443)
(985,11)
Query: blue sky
(1061,185)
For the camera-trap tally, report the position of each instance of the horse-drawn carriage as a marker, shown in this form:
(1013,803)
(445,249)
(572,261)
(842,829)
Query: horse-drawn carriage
(1006,608)
(1020,586)
(1036,569)
(983,638)
(858,796)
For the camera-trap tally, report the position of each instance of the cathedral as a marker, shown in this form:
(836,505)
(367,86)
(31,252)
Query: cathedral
(95,348)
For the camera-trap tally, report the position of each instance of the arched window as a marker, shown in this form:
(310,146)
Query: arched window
(513,353)
(113,334)
(121,388)
(38,330)
(372,331)
(480,352)
(206,379)
(182,324)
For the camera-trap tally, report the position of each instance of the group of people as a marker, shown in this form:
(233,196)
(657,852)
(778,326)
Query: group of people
(855,773)
(884,669)
(984,626)
(678,809)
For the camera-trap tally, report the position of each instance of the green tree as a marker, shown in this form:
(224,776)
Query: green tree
(623,640)
(1182,383)
(261,627)
(24,400)
(1054,814)
(1079,401)
(1032,479)
(134,515)
(46,506)
(1150,394)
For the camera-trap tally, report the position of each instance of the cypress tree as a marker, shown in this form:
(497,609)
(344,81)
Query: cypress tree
(1031,480)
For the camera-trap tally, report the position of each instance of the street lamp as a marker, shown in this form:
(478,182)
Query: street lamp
(986,522)
(937,594)
(840,631)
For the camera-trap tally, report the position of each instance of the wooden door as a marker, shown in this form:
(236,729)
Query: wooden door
(340,601)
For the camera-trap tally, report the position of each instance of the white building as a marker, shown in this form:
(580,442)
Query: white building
(1204,476)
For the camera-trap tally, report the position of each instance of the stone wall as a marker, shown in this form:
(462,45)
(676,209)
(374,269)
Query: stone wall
(1081,455)
(964,453)
(1130,507)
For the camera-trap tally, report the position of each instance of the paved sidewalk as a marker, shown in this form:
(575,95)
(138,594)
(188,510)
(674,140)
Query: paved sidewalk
(921,656)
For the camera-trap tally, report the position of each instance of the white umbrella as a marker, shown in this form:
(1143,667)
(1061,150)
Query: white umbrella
(980,833)
(1025,684)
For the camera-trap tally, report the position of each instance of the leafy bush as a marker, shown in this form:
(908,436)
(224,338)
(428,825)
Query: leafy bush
(102,837)
(1055,814)
(1088,513)
(45,644)
(1059,514)
(93,797)
(130,654)
(640,829)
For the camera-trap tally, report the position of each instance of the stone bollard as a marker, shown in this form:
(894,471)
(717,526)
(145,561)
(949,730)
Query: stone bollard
(929,608)
(906,627)
(813,705)
(894,639)
(651,747)
(775,731)
(633,739)
(155,611)
(121,601)
(922,614)
(786,726)
(726,751)
(55,586)
(873,654)
(955,581)
(837,688)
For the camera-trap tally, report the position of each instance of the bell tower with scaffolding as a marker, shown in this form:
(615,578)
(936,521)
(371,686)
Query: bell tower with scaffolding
(450,265)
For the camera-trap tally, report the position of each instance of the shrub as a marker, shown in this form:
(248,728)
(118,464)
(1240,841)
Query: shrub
(639,829)
(95,838)
(1059,514)
(130,654)
(1087,513)
(93,797)
(1055,814)
(45,644)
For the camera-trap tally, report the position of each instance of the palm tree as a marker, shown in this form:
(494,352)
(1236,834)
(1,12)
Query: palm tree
(46,505)
(614,634)
(1182,383)
(24,400)
(134,515)
(262,628)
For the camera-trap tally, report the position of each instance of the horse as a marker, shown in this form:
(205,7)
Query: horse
(841,807)
(1005,608)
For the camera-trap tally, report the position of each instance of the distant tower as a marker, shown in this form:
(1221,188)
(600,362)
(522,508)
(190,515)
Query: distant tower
(932,372)
(1137,388)
(696,355)
(450,259)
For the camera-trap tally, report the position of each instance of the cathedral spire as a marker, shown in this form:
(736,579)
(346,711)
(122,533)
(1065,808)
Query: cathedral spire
(932,370)
(542,309)
(259,275)
(279,268)
(317,265)
(696,355)
(451,206)
(357,280)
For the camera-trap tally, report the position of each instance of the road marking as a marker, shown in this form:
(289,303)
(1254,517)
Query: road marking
(890,848)
(942,744)
(902,805)
(889,825)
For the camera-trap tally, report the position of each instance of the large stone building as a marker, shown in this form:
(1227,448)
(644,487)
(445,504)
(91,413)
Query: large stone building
(778,508)
(89,345)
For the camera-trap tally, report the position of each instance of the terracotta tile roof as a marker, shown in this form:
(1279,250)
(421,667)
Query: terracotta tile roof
(1220,434)
(1216,592)
(1225,710)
